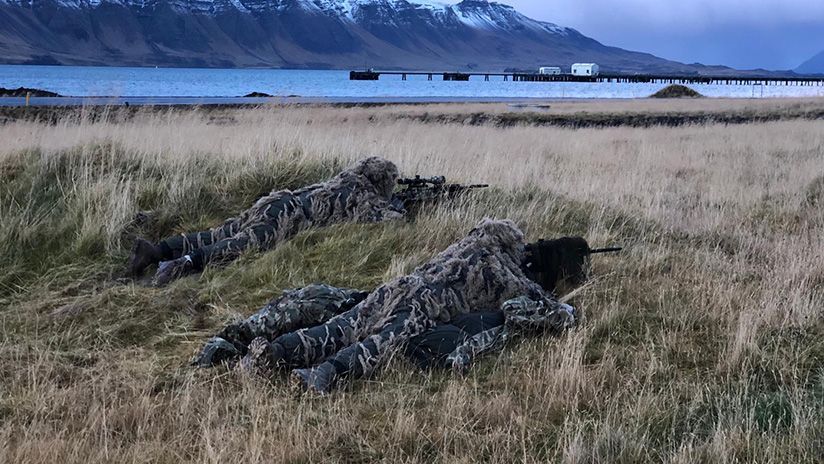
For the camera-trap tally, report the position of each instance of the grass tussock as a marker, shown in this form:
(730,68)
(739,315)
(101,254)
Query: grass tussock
(676,91)
(703,342)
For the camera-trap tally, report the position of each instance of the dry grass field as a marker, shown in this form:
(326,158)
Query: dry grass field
(702,342)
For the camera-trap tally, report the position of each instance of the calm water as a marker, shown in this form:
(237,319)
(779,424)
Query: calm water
(176,82)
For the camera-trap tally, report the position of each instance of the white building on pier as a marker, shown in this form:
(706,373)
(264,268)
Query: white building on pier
(585,69)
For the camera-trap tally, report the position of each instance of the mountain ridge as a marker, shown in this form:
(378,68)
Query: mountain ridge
(815,65)
(321,34)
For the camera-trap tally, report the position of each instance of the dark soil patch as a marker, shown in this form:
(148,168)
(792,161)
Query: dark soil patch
(601,120)
(676,91)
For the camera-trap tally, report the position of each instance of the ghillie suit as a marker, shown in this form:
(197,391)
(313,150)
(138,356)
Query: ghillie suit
(361,193)
(453,345)
(479,273)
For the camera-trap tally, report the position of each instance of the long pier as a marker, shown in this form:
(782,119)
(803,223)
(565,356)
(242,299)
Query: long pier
(610,78)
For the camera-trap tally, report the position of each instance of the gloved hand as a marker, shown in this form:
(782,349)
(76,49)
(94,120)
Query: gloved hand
(568,316)
(460,363)
(216,351)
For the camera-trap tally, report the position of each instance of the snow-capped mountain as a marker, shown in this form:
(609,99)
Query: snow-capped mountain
(399,34)
(473,13)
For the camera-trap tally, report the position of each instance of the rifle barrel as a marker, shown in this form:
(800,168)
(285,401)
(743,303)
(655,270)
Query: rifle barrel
(605,250)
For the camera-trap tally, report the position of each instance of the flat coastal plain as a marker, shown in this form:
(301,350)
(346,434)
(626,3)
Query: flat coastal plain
(702,342)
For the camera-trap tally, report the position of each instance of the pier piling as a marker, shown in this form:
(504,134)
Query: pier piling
(370,75)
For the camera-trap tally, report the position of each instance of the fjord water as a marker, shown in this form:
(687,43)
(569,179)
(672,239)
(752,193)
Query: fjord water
(185,82)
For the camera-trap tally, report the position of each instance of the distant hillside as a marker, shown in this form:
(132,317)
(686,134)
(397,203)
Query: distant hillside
(814,65)
(322,34)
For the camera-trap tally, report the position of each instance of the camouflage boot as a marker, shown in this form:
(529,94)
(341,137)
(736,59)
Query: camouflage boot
(263,358)
(319,379)
(168,271)
(144,254)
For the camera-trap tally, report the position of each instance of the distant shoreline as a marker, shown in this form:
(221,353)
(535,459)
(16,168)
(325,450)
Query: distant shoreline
(502,113)
(70,101)
(252,101)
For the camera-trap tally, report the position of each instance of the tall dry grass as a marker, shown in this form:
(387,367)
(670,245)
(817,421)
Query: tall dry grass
(702,342)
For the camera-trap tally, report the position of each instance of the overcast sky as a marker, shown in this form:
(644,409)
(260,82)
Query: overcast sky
(773,34)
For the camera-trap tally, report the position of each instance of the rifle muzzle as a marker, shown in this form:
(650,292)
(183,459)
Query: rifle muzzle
(605,250)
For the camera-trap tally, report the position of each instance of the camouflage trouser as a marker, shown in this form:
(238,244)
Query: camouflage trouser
(338,343)
(360,359)
(181,245)
(293,310)
(225,243)
(307,347)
